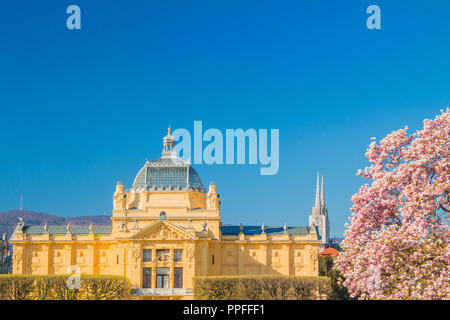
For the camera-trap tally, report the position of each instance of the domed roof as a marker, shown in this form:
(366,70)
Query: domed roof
(168,172)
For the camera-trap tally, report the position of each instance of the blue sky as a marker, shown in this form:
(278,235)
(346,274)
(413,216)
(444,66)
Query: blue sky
(81,109)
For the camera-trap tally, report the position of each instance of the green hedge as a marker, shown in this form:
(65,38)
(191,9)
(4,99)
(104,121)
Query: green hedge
(261,287)
(54,287)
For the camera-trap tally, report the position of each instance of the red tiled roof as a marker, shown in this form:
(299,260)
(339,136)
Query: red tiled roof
(329,252)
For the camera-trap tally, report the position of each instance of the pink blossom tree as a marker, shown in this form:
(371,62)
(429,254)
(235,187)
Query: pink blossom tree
(397,246)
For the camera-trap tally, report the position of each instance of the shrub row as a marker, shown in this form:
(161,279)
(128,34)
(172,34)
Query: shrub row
(261,287)
(54,287)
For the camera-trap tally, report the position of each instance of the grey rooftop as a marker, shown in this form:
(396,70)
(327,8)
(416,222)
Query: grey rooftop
(270,230)
(74,229)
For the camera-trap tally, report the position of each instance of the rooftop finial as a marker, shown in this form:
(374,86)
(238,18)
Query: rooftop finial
(169,143)
(20,224)
(317,204)
(136,225)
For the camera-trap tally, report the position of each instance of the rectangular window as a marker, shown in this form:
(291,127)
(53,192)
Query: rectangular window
(162,277)
(147,256)
(212,259)
(178,255)
(117,259)
(147,278)
(178,277)
(162,254)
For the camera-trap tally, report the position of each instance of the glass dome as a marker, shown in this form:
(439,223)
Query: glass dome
(167,173)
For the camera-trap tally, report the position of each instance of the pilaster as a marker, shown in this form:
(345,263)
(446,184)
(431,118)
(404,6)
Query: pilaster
(204,258)
(265,259)
(46,258)
(241,249)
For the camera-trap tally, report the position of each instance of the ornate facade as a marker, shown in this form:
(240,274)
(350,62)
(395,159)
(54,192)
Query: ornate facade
(165,230)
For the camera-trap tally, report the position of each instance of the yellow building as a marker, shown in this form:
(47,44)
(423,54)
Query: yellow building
(165,230)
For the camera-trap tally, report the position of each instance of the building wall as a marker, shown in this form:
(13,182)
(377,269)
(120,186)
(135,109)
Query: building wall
(249,256)
(191,222)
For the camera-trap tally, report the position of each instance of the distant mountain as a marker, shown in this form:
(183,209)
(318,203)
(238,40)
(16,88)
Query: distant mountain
(9,219)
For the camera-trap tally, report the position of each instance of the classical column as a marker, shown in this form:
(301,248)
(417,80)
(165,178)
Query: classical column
(265,260)
(25,259)
(287,259)
(241,249)
(68,257)
(46,258)
(189,262)
(204,259)
(171,270)
(153,267)
(171,277)
(92,255)
(125,261)
(153,276)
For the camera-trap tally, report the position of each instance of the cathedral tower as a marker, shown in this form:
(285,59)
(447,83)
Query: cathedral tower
(319,216)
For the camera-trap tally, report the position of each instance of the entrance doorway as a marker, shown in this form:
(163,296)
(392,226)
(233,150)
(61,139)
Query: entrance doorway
(162,277)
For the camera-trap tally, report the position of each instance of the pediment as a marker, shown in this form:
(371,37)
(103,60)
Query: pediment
(163,230)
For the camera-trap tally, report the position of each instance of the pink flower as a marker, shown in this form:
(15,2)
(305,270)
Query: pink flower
(398,222)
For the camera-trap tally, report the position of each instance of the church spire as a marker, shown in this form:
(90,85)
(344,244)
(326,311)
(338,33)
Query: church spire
(319,215)
(317,204)
(322,195)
